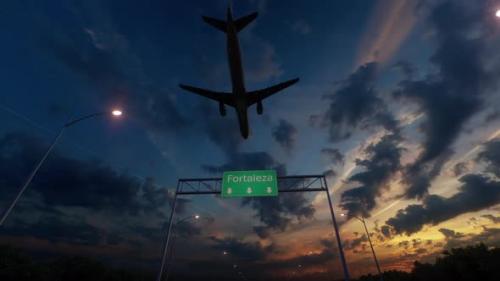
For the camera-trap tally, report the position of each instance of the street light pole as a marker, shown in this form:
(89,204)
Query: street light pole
(169,258)
(373,250)
(371,245)
(40,163)
(337,233)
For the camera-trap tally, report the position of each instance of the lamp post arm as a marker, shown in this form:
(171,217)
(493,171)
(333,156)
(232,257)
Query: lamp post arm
(74,121)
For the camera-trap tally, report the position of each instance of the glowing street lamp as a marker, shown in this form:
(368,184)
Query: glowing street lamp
(498,13)
(361,219)
(114,112)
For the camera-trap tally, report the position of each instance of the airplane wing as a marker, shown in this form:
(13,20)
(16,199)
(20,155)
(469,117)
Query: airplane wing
(225,98)
(259,95)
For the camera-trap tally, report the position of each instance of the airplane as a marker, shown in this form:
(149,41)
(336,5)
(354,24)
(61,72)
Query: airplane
(240,99)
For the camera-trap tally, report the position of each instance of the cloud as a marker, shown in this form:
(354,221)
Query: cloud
(330,173)
(452,95)
(285,134)
(278,213)
(492,218)
(66,192)
(383,161)
(460,169)
(355,104)
(386,231)
(488,236)
(333,155)
(448,233)
(491,156)
(477,192)
(356,244)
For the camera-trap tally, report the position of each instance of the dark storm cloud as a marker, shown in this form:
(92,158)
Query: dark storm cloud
(277,213)
(356,244)
(333,155)
(452,95)
(477,192)
(262,231)
(64,181)
(285,134)
(489,236)
(448,233)
(383,161)
(491,156)
(386,231)
(355,104)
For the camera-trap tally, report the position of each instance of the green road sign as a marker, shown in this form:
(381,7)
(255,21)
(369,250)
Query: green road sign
(249,183)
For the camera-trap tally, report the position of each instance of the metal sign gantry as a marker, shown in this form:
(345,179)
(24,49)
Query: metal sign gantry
(286,184)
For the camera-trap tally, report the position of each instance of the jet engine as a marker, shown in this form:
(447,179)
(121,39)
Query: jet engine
(222,109)
(260,109)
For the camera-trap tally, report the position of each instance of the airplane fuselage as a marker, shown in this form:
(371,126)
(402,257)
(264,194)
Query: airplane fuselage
(237,77)
(239,98)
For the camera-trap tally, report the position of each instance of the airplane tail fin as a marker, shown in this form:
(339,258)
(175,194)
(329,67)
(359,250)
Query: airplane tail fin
(240,23)
(244,21)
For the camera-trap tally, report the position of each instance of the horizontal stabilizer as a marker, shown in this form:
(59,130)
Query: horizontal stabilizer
(225,98)
(219,24)
(259,95)
(244,21)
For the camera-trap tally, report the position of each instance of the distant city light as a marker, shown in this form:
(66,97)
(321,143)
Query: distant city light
(196,216)
(224,253)
(342,215)
(117,112)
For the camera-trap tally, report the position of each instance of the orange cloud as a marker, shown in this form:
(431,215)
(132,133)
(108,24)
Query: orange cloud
(388,27)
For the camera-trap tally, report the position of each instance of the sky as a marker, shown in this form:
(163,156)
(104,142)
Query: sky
(397,105)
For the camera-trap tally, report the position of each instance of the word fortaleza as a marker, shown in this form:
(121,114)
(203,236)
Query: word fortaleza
(249,178)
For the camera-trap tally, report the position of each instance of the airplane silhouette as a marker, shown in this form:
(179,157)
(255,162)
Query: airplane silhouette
(240,99)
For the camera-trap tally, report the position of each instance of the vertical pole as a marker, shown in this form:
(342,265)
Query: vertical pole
(30,177)
(373,251)
(339,242)
(170,223)
(169,259)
